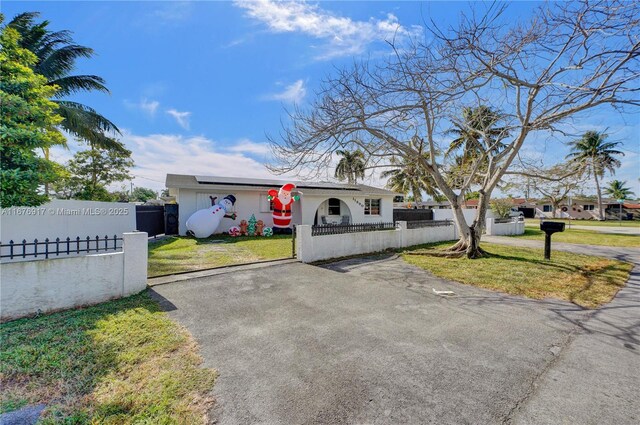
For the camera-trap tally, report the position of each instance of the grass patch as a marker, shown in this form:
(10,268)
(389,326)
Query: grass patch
(586,237)
(581,279)
(606,223)
(120,362)
(181,254)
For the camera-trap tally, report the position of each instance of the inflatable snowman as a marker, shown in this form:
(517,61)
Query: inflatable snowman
(203,223)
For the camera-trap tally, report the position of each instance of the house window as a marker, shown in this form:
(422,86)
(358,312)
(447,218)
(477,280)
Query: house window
(588,207)
(265,205)
(334,206)
(371,206)
(546,208)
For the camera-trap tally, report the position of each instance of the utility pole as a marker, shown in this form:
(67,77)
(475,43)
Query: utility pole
(620,202)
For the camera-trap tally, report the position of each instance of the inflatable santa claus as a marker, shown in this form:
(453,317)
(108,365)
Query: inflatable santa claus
(282,201)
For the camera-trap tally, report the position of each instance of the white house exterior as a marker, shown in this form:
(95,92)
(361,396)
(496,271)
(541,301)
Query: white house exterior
(333,201)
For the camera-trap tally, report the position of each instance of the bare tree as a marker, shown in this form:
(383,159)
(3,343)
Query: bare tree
(553,183)
(567,60)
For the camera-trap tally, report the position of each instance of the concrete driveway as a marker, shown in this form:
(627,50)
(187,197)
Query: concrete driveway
(367,341)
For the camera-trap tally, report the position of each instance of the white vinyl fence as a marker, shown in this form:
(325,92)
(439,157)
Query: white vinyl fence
(311,248)
(510,228)
(39,285)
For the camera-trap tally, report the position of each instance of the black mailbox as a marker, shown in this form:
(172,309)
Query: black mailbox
(549,228)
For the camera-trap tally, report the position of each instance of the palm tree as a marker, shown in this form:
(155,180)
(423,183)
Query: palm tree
(477,134)
(351,167)
(617,190)
(408,177)
(594,156)
(57,55)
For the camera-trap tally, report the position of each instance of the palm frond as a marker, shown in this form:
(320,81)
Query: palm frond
(77,83)
(60,61)
(78,114)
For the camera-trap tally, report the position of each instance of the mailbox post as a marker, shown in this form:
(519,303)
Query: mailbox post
(549,228)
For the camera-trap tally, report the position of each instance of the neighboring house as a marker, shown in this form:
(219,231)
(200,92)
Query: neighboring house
(572,208)
(629,211)
(334,202)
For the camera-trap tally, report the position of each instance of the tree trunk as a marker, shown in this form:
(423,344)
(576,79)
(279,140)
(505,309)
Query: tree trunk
(599,192)
(469,242)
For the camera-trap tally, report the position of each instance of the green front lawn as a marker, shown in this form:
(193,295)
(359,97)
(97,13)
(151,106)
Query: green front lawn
(181,254)
(120,362)
(585,237)
(584,280)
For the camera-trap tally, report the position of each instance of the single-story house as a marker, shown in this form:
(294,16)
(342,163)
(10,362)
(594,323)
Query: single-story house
(629,211)
(328,202)
(571,208)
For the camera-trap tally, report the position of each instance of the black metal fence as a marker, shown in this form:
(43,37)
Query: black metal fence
(403,214)
(339,229)
(150,219)
(55,248)
(428,223)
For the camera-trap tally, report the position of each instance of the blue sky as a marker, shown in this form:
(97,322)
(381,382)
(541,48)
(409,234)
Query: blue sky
(195,86)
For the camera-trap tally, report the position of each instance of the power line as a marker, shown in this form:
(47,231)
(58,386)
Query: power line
(147,178)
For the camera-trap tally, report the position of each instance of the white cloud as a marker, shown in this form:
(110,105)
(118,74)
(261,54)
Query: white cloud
(250,147)
(343,36)
(155,155)
(149,107)
(293,93)
(173,12)
(182,118)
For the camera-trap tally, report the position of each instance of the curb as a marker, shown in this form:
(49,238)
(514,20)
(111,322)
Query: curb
(182,276)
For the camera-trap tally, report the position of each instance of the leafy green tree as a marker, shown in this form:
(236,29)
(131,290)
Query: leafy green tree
(91,171)
(617,189)
(408,177)
(472,195)
(143,194)
(351,166)
(594,156)
(56,55)
(501,207)
(28,124)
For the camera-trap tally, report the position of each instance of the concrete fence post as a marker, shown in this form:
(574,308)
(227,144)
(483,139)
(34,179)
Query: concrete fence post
(490,223)
(134,247)
(402,229)
(304,243)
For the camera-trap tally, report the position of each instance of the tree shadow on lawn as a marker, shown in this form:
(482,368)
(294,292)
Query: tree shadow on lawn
(95,363)
(541,262)
(489,255)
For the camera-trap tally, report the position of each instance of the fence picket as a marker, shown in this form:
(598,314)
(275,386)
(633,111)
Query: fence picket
(338,229)
(49,252)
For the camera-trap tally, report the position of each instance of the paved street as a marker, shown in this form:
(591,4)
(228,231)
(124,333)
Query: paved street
(368,341)
(608,229)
